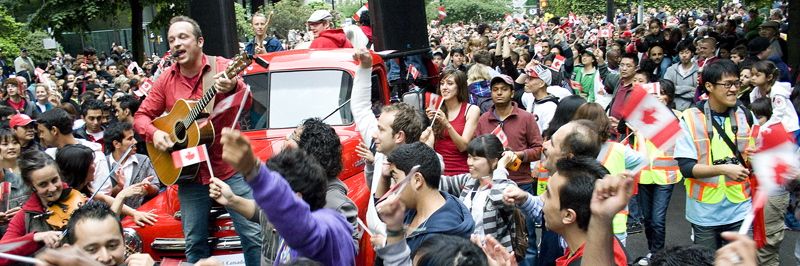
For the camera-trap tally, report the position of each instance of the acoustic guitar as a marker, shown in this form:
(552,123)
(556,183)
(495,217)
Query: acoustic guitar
(182,126)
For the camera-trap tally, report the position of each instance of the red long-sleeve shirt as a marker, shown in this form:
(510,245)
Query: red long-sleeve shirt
(523,135)
(172,86)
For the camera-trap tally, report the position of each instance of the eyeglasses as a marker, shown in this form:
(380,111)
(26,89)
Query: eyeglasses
(730,84)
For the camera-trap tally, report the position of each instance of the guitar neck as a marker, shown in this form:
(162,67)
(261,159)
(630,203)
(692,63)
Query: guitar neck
(200,106)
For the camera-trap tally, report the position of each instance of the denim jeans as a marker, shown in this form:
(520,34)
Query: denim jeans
(653,202)
(195,208)
(709,236)
(635,214)
(530,222)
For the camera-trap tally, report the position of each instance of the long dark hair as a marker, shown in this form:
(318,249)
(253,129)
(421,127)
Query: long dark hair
(564,111)
(462,93)
(74,161)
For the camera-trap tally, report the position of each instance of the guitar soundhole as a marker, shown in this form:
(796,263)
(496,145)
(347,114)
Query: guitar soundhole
(180,132)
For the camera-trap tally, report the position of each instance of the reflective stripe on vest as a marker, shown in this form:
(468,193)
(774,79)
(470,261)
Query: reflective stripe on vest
(612,156)
(542,176)
(663,169)
(714,189)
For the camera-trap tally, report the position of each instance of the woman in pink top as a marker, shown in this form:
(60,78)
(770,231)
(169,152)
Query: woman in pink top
(455,122)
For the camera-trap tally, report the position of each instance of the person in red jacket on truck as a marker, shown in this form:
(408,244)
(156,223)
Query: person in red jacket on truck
(324,37)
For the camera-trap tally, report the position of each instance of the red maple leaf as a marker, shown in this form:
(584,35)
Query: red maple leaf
(781,169)
(189,155)
(648,117)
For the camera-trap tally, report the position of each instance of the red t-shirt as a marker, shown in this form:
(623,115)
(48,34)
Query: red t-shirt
(620,259)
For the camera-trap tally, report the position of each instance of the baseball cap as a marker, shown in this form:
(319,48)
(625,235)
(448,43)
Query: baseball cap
(770,24)
(18,120)
(23,50)
(626,34)
(320,15)
(535,72)
(758,45)
(502,78)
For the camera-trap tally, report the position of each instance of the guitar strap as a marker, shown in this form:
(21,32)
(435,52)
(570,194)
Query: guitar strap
(208,81)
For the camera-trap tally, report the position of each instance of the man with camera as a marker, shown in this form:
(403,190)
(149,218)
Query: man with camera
(712,154)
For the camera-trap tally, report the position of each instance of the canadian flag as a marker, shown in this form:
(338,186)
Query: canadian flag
(558,61)
(775,159)
(236,100)
(605,33)
(5,195)
(145,88)
(189,156)
(357,15)
(572,18)
(652,88)
(442,13)
(654,120)
(498,131)
(412,70)
(508,18)
(435,101)
(538,30)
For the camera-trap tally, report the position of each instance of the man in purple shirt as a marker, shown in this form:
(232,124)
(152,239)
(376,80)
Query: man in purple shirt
(290,189)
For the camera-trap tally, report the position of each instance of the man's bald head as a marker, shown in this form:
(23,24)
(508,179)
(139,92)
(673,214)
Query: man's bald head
(576,138)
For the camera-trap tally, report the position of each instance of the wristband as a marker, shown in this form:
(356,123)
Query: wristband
(393,233)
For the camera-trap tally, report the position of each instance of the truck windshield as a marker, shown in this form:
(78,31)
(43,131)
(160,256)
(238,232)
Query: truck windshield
(285,99)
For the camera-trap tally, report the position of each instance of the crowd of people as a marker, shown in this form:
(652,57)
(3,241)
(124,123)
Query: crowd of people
(529,133)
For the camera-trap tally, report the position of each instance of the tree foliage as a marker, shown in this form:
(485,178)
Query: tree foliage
(288,15)
(563,7)
(243,25)
(468,10)
(16,36)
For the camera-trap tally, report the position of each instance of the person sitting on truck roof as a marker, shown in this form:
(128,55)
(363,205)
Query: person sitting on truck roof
(324,37)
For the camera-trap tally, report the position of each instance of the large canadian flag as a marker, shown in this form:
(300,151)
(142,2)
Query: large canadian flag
(498,131)
(189,156)
(651,118)
(776,159)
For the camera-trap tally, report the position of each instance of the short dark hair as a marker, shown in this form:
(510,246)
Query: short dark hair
(92,105)
(92,210)
(31,161)
(74,162)
(321,142)
(715,71)
(583,140)
(128,102)
(195,27)
(406,156)
(686,45)
(406,119)
(632,56)
(762,107)
(487,146)
(683,255)
(115,132)
(580,173)
(58,118)
(303,173)
(439,249)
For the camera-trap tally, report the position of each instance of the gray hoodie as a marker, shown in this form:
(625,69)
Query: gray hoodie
(685,85)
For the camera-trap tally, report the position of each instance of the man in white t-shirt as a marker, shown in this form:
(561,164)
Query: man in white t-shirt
(537,99)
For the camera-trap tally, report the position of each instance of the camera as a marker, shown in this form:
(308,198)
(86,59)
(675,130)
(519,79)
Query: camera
(726,160)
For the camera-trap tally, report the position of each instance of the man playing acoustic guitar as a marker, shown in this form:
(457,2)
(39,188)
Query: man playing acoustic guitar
(190,78)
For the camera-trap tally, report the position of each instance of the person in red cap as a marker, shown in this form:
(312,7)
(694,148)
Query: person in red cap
(522,133)
(25,131)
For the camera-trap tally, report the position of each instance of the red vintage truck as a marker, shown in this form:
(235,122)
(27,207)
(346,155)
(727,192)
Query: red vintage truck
(297,84)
